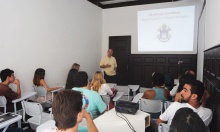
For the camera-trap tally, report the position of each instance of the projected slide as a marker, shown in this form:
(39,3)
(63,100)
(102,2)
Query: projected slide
(168,29)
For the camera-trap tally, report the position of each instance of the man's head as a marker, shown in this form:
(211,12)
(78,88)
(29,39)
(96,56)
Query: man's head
(109,52)
(158,79)
(192,91)
(186,120)
(81,79)
(7,75)
(67,109)
(186,78)
(76,66)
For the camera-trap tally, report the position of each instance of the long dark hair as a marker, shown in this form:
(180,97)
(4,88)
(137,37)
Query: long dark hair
(38,75)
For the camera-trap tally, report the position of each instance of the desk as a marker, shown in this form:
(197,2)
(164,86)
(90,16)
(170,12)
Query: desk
(118,96)
(57,90)
(5,124)
(24,96)
(110,122)
(134,88)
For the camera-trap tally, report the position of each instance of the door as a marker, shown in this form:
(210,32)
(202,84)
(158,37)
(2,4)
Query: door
(121,46)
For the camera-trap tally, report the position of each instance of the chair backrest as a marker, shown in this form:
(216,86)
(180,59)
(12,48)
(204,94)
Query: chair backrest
(124,89)
(3,103)
(167,104)
(32,108)
(41,91)
(106,99)
(112,85)
(152,106)
(142,89)
(162,127)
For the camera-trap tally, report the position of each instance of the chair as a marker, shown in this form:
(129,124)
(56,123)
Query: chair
(41,92)
(106,99)
(162,127)
(126,91)
(34,110)
(151,106)
(167,104)
(142,89)
(3,103)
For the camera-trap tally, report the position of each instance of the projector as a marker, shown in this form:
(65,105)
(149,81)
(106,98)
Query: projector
(126,107)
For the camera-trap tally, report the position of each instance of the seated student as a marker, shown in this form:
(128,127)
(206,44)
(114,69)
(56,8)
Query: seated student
(174,90)
(39,81)
(8,77)
(92,101)
(68,112)
(158,92)
(70,81)
(99,85)
(183,80)
(191,94)
(186,120)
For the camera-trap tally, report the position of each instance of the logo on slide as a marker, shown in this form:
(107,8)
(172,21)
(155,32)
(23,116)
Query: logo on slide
(164,35)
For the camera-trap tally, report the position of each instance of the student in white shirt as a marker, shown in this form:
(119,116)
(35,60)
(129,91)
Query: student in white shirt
(99,85)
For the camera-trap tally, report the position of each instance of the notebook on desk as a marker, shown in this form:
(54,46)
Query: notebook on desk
(7,116)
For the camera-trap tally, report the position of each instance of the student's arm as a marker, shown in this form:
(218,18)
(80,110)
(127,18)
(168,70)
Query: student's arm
(166,94)
(160,121)
(43,83)
(90,124)
(17,82)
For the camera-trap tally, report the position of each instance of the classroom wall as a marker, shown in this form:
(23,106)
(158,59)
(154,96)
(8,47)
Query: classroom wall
(123,21)
(212,23)
(51,34)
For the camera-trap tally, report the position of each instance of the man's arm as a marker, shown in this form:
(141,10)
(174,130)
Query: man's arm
(160,121)
(90,124)
(105,66)
(17,82)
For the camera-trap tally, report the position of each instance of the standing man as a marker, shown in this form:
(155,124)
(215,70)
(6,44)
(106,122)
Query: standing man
(7,77)
(109,65)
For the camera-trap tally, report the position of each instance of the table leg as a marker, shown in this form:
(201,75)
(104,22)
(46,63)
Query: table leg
(5,129)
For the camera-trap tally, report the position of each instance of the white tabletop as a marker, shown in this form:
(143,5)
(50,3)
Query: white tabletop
(118,96)
(10,121)
(61,88)
(110,122)
(24,96)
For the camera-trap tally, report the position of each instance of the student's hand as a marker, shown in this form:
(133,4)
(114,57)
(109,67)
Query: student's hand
(206,95)
(85,114)
(17,82)
(178,97)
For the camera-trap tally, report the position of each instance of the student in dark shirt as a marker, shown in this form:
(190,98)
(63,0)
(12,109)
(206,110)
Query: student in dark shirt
(7,76)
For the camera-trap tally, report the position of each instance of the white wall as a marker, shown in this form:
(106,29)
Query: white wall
(123,21)
(201,43)
(212,23)
(51,34)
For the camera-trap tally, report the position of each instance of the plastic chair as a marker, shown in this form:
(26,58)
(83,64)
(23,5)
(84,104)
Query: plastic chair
(3,103)
(142,89)
(152,106)
(126,91)
(167,104)
(106,99)
(137,97)
(34,110)
(41,92)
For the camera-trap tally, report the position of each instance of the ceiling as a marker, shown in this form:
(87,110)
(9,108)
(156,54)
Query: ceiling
(121,3)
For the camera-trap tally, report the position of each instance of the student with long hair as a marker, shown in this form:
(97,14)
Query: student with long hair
(99,85)
(39,81)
